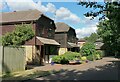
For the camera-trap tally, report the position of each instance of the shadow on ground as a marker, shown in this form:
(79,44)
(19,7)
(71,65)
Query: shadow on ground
(107,72)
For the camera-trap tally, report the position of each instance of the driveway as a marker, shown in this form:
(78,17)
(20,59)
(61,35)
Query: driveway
(104,69)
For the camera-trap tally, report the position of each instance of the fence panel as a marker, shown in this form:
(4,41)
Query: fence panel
(14,59)
(1,60)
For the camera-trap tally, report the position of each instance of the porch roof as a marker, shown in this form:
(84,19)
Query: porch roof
(71,45)
(47,41)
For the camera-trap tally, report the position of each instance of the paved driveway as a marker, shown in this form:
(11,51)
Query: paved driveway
(104,69)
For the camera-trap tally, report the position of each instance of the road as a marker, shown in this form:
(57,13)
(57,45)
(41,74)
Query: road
(104,69)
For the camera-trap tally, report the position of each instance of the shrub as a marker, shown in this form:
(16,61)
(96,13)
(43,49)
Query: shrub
(90,57)
(65,58)
(18,37)
(56,59)
(84,58)
(88,49)
(97,56)
(100,53)
(72,55)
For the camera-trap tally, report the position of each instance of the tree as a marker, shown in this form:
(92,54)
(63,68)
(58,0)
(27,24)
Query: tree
(88,49)
(92,38)
(18,37)
(108,29)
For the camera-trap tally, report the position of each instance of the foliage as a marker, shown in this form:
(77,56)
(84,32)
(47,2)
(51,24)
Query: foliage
(0,40)
(72,55)
(90,57)
(57,59)
(60,59)
(18,37)
(87,49)
(92,38)
(97,56)
(65,58)
(100,53)
(108,29)
(84,58)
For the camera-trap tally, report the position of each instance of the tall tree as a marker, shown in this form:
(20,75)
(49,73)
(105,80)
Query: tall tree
(92,38)
(108,29)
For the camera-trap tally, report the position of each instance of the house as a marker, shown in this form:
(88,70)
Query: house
(81,42)
(99,46)
(39,49)
(66,36)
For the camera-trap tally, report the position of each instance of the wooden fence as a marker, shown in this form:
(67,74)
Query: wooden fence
(0,60)
(13,59)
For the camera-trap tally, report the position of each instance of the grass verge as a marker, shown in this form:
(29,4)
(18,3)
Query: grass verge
(29,74)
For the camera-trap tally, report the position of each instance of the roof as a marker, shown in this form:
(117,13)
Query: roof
(99,40)
(62,27)
(82,40)
(18,16)
(71,45)
(99,45)
(47,41)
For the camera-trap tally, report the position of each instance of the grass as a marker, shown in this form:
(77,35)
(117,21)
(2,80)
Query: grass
(28,74)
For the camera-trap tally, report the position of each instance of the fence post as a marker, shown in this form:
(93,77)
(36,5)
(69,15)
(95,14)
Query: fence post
(1,60)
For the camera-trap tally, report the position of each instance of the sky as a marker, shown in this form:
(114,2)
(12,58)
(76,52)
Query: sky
(67,11)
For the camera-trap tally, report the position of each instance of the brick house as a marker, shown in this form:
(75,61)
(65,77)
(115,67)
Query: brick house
(66,36)
(38,49)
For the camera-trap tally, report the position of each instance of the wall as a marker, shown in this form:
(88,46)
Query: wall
(13,59)
(62,39)
(81,44)
(62,51)
(28,53)
(71,36)
(7,28)
(45,27)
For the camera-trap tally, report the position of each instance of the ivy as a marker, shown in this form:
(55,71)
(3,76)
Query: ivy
(18,37)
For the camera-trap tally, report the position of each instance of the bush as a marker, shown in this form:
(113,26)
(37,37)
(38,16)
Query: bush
(72,55)
(88,49)
(97,56)
(100,53)
(60,59)
(84,58)
(65,58)
(90,57)
(56,59)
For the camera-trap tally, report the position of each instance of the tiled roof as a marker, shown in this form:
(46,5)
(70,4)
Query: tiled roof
(62,27)
(18,16)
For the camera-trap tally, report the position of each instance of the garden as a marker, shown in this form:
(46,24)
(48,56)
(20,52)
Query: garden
(86,54)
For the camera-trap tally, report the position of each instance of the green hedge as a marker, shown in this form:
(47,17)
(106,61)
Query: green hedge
(65,58)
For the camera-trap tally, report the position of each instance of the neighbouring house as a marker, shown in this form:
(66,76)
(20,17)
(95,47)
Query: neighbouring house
(81,42)
(42,47)
(66,36)
(99,46)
